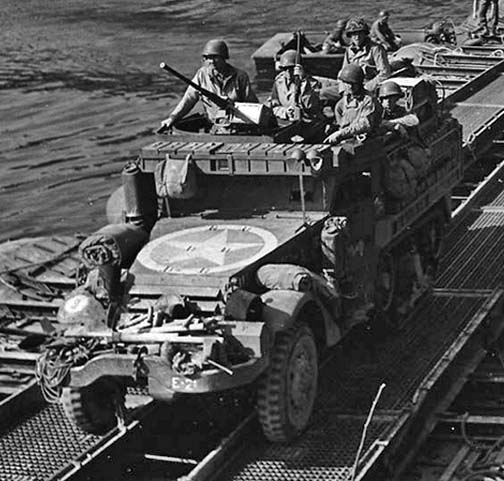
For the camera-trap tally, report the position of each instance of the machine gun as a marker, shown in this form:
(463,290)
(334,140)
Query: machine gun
(241,112)
(296,114)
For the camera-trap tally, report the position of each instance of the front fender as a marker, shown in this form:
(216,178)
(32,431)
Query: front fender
(283,307)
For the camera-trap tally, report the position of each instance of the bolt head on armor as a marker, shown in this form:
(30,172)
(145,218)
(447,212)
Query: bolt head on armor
(351,74)
(355,25)
(288,59)
(216,47)
(390,89)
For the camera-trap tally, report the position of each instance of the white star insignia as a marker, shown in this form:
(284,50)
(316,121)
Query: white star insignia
(213,249)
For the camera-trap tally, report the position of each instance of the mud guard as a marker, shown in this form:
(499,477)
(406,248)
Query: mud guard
(283,307)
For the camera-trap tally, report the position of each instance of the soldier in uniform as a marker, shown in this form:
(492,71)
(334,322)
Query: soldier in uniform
(395,118)
(217,76)
(484,5)
(295,97)
(335,42)
(357,112)
(382,33)
(295,94)
(370,56)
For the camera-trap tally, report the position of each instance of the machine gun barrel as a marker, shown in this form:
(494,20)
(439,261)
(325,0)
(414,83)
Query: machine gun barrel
(225,104)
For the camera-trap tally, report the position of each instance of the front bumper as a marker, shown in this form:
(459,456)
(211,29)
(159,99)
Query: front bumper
(161,379)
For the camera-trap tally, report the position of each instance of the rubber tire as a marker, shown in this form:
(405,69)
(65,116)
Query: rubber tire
(93,408)
(280,423)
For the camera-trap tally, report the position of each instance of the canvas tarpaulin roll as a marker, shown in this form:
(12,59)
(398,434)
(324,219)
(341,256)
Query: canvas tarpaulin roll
(116,244)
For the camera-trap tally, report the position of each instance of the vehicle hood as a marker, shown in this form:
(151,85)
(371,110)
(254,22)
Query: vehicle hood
(195,256)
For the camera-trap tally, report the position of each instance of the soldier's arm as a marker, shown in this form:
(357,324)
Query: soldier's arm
(309,98)
(365,123)
(188,101)
(408,120)
(377,34)
(274,102)
(247,94)
(381,63)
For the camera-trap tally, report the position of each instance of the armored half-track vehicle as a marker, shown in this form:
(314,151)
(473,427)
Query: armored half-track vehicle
(234,261)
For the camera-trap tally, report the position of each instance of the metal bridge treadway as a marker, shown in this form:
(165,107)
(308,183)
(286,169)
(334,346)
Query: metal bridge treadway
(480,108)
(470,269)
(50,441)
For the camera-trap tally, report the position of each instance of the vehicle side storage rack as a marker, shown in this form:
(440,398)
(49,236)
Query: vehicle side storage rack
(253,158)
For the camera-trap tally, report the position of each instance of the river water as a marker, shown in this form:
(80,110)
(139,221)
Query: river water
(81,89)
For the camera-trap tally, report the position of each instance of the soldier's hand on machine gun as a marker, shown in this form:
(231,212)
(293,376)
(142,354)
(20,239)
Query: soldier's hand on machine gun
(166,125)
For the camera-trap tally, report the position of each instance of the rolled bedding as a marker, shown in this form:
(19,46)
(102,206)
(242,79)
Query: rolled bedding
(116,244)
(285,276)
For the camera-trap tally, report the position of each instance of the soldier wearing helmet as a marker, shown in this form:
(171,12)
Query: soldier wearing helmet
(370,56)
(382,33)
(395,118)
(295,94)
(336,42)
(217,76)
(357,112)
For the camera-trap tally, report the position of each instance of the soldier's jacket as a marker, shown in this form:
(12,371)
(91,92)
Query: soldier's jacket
(283,96)
(372,58)
(381,33)
(234,85)
(356,115)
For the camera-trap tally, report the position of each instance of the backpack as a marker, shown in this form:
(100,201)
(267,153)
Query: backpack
(176,178)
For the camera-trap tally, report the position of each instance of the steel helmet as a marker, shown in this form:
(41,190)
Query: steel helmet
(384,14)
(351,74)
(357,25)
(288,59)
(216,47)
(390,89)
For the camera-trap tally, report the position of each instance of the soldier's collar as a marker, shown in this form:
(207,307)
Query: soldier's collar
(228,71)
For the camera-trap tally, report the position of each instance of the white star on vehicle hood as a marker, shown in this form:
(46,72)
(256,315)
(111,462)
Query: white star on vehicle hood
(213,249)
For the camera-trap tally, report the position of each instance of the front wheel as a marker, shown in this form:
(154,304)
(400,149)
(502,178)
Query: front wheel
(94,408)
(287,390)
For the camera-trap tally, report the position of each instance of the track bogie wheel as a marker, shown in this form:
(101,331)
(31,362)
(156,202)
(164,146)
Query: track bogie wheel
(94,408)
(287,390)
